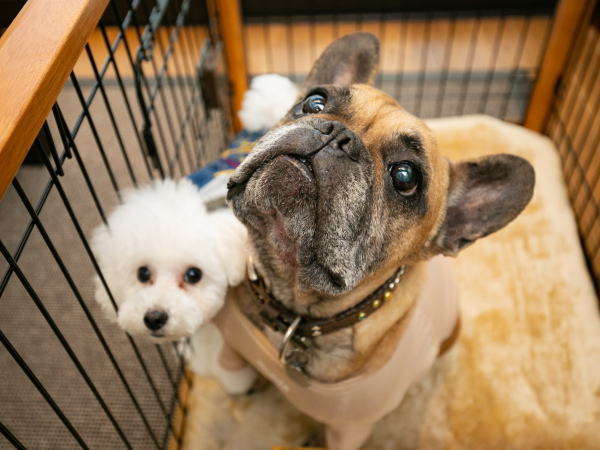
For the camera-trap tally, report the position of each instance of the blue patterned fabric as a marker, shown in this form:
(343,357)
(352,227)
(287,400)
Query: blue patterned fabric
(231,158)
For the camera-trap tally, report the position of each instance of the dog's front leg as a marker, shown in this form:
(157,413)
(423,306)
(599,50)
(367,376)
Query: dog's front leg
(348,436)
(234,373)
(210,355)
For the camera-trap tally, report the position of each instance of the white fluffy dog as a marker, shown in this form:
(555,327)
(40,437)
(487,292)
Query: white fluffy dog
(168,262)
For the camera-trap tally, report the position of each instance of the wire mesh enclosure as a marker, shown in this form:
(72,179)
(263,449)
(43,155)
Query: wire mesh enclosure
(434,62)
(574,126)
(146,99)
(149,98)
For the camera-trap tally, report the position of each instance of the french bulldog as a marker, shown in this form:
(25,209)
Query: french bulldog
(348,205)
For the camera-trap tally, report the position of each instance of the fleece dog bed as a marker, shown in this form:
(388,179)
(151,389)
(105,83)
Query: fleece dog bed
(525,371)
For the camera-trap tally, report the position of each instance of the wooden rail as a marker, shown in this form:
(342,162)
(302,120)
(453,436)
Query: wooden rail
(178,420)
(37,53)
(565,29)
(229,17)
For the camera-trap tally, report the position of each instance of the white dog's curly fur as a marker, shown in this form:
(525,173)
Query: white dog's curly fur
(270,96)
(166,228)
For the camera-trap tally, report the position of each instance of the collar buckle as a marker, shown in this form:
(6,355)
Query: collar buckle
(287,337)
(294,359)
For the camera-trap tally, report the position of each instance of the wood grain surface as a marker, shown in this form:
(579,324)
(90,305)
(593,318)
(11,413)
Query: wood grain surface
(37,53)
(566,27)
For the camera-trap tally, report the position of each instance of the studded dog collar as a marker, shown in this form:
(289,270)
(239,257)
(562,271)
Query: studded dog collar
(299,328)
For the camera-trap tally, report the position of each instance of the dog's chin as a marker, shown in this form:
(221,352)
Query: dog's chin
(280,206)
(159,337)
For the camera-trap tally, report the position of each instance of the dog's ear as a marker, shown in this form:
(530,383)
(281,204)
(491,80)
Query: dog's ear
(484,195)
(347,60)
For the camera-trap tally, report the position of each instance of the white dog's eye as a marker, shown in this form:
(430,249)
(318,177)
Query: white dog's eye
(192,275)
(144,274)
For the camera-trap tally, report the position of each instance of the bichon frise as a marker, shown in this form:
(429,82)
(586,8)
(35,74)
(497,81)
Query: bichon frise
(168,263)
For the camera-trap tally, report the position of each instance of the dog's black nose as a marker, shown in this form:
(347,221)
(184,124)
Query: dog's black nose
(155,319)
(341,137)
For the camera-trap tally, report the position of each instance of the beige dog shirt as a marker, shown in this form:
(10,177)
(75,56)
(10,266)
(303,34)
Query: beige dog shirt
(350,407)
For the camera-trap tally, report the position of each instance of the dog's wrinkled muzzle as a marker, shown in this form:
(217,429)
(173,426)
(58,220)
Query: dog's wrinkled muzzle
(300,139)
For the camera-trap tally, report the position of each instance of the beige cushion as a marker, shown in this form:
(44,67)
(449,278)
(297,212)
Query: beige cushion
(525,372)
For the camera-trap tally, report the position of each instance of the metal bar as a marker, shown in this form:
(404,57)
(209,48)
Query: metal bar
(192,86)
(140,80)
(445,72)
(96,135)
(94,90)
(25,201)
(516,65)
(165,55)
(65,344)
(30,226)
(159,350)
(195,91)
(493,63)
(576,110)
(10,437)
(46,137)
(570,147)
(290,46)
(181,69)
(177,404)
(111,115)
(403,45)
(126,100)
(144,54)
(267,39)
(70,146)
(470,61)
(189,116)
(424,57)
(39,386)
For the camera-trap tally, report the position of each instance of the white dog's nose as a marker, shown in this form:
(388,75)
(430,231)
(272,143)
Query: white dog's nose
(155,319)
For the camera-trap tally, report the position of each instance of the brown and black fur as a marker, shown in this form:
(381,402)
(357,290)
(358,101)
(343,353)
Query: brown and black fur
(325,235)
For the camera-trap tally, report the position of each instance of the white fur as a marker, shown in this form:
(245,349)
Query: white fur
(266,102)
(165,226)
(208,342)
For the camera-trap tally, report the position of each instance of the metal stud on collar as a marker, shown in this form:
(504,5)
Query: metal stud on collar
(251,271)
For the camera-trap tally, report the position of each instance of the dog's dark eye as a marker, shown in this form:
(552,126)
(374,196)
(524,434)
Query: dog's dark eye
(314,104)
(405,177)
(192,275)
(144,274)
